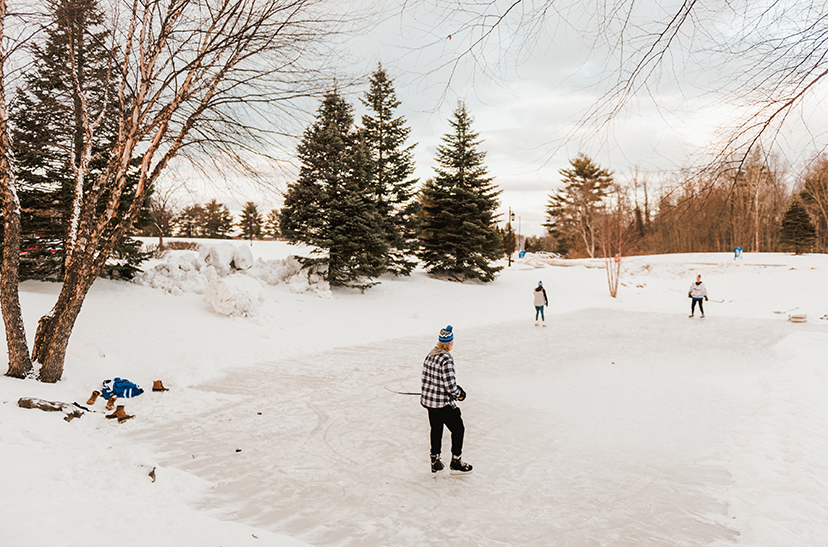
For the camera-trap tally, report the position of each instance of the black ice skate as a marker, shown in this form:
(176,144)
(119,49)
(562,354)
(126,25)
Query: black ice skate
(436,464)
(459,467)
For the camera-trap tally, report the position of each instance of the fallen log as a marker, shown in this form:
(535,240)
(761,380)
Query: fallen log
(71,411)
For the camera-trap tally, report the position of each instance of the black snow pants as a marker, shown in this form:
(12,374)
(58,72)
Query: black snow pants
(452,419)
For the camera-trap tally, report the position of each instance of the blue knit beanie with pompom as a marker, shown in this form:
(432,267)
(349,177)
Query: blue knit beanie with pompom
(446,335)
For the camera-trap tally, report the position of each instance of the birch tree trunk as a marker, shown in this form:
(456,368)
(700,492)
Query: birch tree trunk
(20,364)
(181,67)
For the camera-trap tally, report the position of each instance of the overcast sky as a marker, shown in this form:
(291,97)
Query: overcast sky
(530,84)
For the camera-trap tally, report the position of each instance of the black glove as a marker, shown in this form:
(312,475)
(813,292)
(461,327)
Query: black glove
(462,396)
(705,299)
(689,295)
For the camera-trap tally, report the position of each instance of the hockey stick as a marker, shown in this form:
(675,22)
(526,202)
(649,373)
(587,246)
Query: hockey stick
(402,392)
(787,311)
(88,409)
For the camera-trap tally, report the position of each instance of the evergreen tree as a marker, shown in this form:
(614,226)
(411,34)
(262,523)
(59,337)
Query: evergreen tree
(572,211)
(798,232)
(331,205)
(391,167)
(191,221)
(459,236)
(218,222)
(250,222)
(271,224)
(48,136)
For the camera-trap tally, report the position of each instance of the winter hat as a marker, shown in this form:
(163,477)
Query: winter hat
(540,283)
(446,336)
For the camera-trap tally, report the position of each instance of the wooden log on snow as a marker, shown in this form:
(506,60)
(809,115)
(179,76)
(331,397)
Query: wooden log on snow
(71,411)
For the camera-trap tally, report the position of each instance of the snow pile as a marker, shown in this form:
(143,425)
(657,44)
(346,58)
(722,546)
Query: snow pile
(236,296)
(181,273)
(190,273)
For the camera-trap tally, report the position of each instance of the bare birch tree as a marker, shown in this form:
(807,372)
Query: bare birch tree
(19,361)
(193,75)
(617,234)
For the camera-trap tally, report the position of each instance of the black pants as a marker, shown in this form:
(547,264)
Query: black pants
(451,418)
(693,305)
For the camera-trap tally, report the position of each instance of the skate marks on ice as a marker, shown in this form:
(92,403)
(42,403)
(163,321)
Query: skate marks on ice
(575,433)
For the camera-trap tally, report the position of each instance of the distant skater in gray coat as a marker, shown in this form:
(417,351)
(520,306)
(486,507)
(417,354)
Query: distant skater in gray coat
(697,292)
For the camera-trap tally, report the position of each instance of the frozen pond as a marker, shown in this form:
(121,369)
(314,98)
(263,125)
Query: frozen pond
(604,428)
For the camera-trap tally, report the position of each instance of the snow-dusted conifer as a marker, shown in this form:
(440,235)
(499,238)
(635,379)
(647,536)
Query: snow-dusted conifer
(391,167)
(798,232)
(250,222)
(218,222)
(331,205)
(459,235)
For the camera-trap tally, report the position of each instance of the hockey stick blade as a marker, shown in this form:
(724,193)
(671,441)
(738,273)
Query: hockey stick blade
(402,392)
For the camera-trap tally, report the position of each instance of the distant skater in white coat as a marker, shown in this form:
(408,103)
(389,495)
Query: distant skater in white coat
(697,292)
(540,302)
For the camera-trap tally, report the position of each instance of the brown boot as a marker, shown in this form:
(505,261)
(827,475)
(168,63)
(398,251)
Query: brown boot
(93,398)
(110,404)
(158,386)
(121,414)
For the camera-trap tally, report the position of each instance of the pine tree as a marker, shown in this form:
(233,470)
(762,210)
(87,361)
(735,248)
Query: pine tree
(331,205)
(48,135)
(459,236)
(218,222)
(798,232)
(572,211)
(250,222)
(191,221)
(391,167)
(271,225)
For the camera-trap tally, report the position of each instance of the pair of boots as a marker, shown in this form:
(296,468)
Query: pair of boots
(456,467)
(110,403)
(120,414)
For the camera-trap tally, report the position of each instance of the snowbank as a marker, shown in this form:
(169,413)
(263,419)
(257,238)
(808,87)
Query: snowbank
(236,296)
(186,272)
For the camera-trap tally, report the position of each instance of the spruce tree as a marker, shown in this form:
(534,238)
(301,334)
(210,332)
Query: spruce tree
(391,167)
(48,135)
(331,206)
(798,232)
(250,222)
(271,224)
(218,222)
(459,235)
(190,223)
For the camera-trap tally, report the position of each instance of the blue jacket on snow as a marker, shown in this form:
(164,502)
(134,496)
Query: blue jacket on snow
(120,387)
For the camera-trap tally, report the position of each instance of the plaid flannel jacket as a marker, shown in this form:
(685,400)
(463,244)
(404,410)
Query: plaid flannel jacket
(439,387)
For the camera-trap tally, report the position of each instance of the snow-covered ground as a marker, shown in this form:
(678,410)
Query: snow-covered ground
(622,422)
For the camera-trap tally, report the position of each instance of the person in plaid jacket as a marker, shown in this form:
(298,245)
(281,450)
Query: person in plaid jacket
(438,394)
